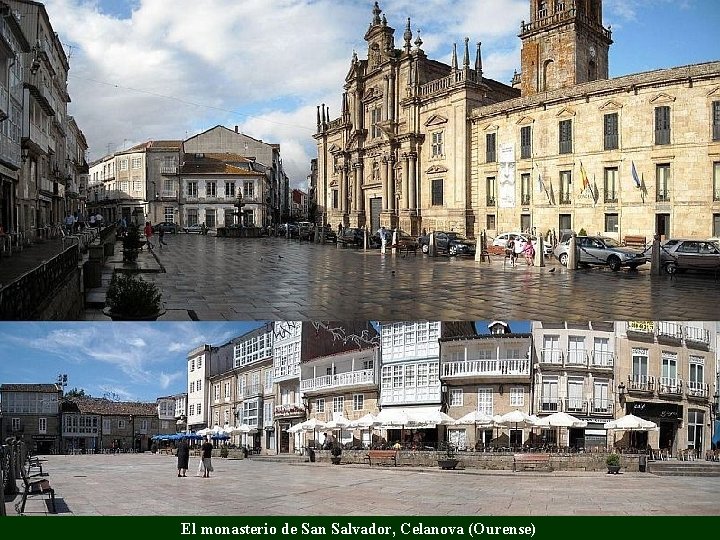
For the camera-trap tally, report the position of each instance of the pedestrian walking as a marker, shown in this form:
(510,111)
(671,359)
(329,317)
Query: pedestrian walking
(518,248)
(529,251)
(148,234)
(183,457)
(206,463)
(161,236)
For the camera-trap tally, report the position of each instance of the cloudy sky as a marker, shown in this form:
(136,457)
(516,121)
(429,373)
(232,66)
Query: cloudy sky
(160,69)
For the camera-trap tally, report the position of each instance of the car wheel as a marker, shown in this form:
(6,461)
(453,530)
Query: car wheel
(564,259)
(425,248)
(614,263)
(453,250)
(671,268)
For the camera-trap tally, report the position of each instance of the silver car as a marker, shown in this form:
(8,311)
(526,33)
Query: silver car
(601,250)
(680,254)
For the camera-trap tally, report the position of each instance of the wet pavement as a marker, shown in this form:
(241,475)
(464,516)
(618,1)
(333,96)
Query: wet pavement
(210,278)
(90,485)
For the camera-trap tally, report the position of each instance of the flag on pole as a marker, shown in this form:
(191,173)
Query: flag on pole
(635,176)
(583,175)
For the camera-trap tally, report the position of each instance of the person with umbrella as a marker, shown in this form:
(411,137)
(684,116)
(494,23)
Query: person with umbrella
(183,457)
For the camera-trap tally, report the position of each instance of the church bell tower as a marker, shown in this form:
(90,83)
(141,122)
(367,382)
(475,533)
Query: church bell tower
(564,44)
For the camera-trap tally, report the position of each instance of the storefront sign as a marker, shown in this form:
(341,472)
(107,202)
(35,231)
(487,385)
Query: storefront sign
(655,411)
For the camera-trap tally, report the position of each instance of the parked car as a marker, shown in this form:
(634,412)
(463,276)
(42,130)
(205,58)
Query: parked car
(193,229)
(403,240)
(328,233)
(306,230)
(501,240)
(291,227)
(351,237)
(167,227)
(448,242)
(603,251)
(681,254)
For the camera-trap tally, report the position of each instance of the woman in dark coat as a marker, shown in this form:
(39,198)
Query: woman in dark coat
(183,457)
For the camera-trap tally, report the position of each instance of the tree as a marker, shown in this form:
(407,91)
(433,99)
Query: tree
(75,392)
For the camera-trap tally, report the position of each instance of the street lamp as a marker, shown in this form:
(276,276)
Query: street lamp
(239,204)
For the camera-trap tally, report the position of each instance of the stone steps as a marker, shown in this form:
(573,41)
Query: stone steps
(684,468)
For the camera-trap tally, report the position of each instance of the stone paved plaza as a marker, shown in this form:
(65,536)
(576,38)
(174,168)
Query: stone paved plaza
(147,484)
(209,278)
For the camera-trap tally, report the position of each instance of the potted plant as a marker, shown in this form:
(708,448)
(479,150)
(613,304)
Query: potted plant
(154,448)
(448,460)
(132,244)
(130,298)
(336,452)
(613,463)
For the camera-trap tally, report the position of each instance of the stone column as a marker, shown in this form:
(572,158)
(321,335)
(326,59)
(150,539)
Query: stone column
(404,204)
(384,181)
(412,182)
(386,100)
(391,183)
(391,97)
(359,197)
(344,190)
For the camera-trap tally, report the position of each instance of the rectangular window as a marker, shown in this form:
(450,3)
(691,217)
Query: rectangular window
(338,404)
(611,176)
(576,350)
(199,408)
(437,192)
(525,189)
(716,120)
(198,385)
(437,148)
(565,136)
(123,164)
(456,397)
(601,403)
(716,181)
(640,368)
(335,198)
(42,426)
(490,190)
(210,217)
(192,189)
(669,370)
(106,426)
(611,223)
(121,424)
(191,410)
(490,148)
(358,402)
(169,214)
(565,187)
(525,142)
(320,405)
(211,189)
(485,401)
(375,117)
(229,189)
(136,162)
(696,421)
(611,131)
(551,350)
(549,395)
(216,392)
(517,396)
(490,222)
(696,377)
(249,190)
(662,178)
(575,393)
(662,125)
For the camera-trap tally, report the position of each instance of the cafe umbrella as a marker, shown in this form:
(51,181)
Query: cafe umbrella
(516,418)
(631,423)
(476,418)
(368,421)
(559,420)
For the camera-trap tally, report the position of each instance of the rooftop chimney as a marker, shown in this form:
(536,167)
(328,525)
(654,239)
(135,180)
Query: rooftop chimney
(236,129)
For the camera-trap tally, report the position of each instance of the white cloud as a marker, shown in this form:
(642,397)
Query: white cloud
(172,72)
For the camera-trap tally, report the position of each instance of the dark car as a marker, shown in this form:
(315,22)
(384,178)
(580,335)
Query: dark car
(679,255)
(403,240)
(329,235)
(167,227)
(603,251)
(448,242)
(351,236)
(289,229)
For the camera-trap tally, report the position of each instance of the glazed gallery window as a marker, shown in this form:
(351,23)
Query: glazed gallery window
(525,142)
(565,136)
(437,192)
(437,148)
(338,404)
(456,397)
(662,125)
(610,129)
(485,400)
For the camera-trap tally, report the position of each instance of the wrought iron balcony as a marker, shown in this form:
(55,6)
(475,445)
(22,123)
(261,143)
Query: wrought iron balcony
(576,358)
(697,389)
(672,386)
(697,335)
(168,169)
(575,406)
(549,405)
(669,331)
(501,367)
(602,359)
(251,390)
(600,407)
(640,383)
(551,356)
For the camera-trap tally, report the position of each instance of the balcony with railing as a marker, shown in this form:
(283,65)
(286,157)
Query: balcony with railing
(602,359)
(168,194)
(600,407)
(349,379)
(251,390)
(551,356)
(576,358)
(168,169)
(643,330)
(697,336)
(641,383)
(575,406)
(695,389)
(443,84)
(670,386)
(549,405)
(500,367)
(669,332)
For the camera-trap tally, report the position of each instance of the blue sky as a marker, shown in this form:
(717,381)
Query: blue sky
(133,361)
(127,361)
(141,71)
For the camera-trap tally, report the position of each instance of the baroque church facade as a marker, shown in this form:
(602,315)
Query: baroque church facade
(424,145)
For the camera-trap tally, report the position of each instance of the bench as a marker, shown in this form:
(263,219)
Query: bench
(33,462)
(631,240)
(524,462)
(35,488)
(382,455)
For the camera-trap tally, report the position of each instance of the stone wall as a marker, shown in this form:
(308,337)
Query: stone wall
(67,303)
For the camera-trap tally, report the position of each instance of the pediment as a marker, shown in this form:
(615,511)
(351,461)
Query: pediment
(333,183)
(661,99)
(715,92)
(436,169)
(334,149)
(525,120)
(610,105)
(491,127)
(435,120)
(373,92)
(565,112)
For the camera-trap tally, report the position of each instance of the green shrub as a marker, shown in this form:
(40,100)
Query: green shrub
(582,232)
(613,460)
(132,297)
